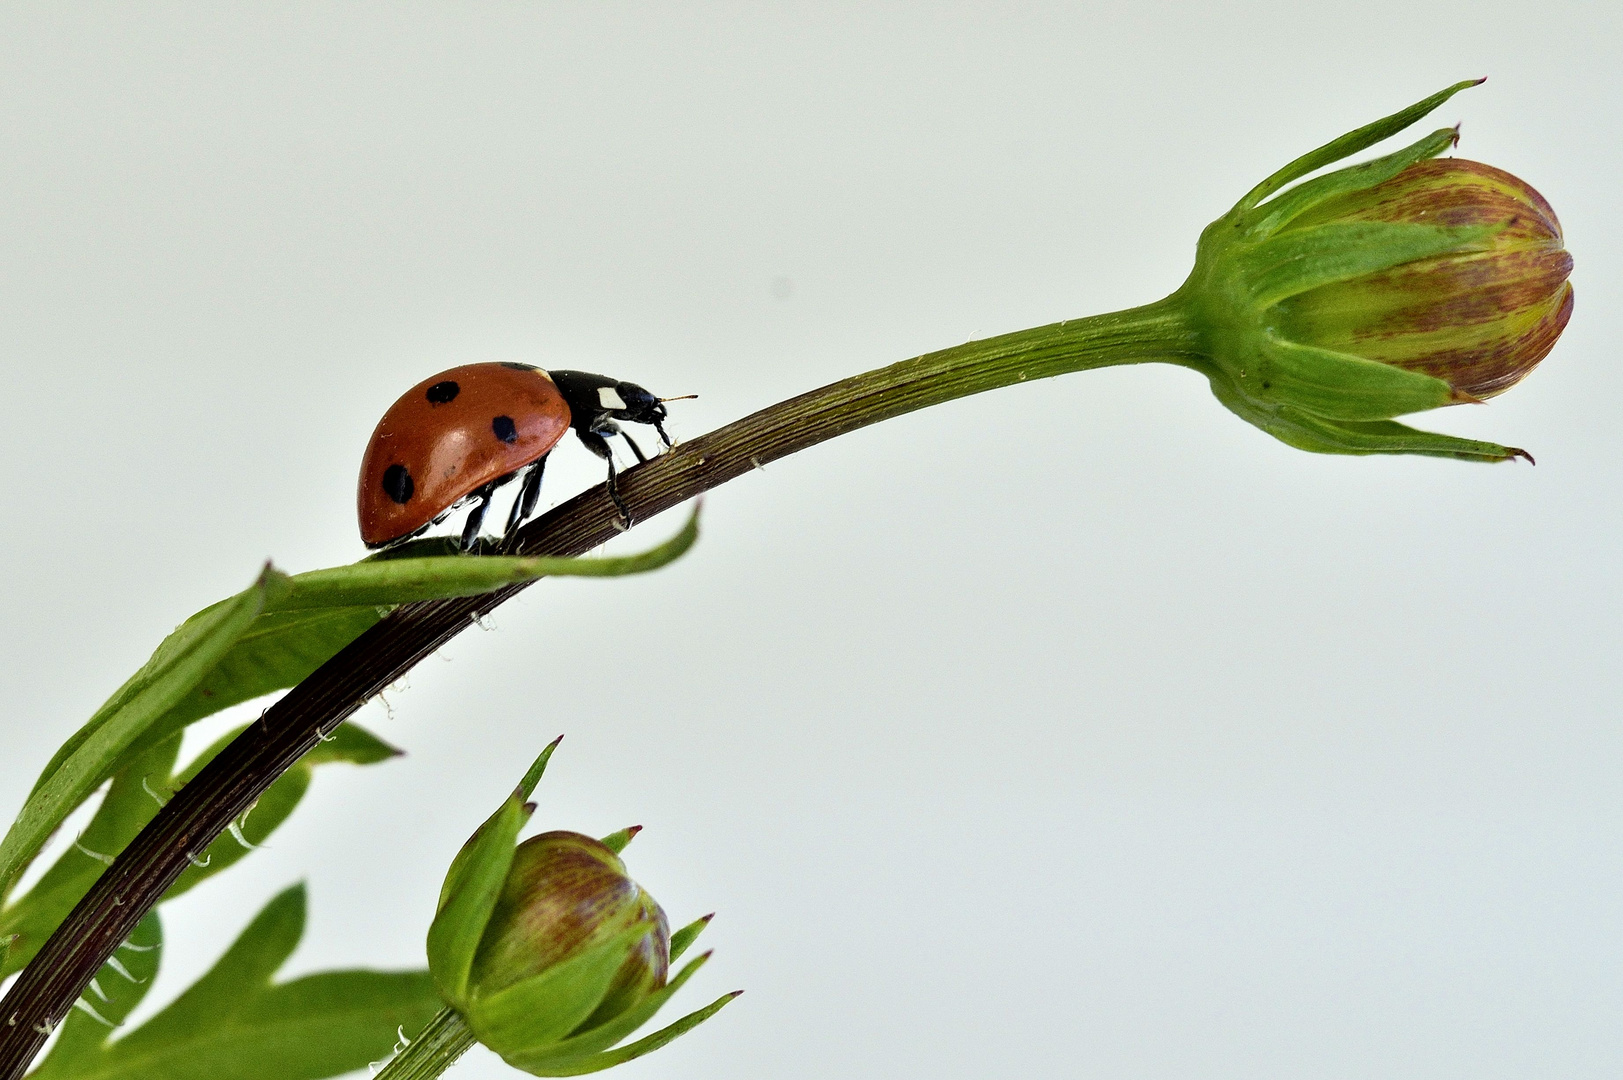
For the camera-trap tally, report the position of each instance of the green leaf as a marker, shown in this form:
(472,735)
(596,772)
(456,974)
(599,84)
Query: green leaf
(130,803)
(396,581)
(1350,143)
(350,743)
(234,1025)
(91,755)
(267,638)
(132,800)
(278,650)
(109,999)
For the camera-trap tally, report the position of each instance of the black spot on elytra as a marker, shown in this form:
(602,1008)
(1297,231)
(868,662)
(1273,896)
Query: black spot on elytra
(505,429)
(397,484)
(442,393)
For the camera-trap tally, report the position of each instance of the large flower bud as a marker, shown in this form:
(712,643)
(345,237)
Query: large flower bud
(549,951)
(1402,284)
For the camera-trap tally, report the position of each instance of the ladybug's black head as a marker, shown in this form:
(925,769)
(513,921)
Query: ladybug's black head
(592,396)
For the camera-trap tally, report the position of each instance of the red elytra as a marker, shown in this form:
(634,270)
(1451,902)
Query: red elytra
(444,439)
(466,431)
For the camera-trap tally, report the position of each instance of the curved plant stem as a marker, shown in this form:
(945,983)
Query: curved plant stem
(47,988)
(432,1051)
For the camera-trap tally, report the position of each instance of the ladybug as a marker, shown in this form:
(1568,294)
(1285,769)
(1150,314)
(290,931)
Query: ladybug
(461,434)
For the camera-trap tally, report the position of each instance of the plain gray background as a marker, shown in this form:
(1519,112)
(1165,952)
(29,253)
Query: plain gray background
(1077,729)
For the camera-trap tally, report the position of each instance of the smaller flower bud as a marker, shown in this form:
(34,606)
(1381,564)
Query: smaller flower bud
(566,895)
(550,952)
(1399,285)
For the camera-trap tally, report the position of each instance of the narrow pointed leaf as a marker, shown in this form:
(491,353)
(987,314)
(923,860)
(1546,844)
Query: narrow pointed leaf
(395,581)
(1351,143)
(645,1045)
(684,938)
(1279,212)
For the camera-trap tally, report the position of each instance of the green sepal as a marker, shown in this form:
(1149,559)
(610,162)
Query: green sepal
(1340,386)
(618,841)
(543,1009)
(564,1058)
(645,1045)
(1303,430)
(1350,143)
(472,886)
(538,769)
(1297,260)
(684,938)
(1281,211)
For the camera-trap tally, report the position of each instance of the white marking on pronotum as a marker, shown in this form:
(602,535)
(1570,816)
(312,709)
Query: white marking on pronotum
(199,863)
(94,1015)
(609,398)
(95,988)
(105,860)
(159,799)
(118,966)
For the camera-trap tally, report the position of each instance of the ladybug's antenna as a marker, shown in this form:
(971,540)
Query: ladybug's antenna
(684,397)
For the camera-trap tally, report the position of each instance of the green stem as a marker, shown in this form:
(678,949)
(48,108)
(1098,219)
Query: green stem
(433,1050)
(233,780)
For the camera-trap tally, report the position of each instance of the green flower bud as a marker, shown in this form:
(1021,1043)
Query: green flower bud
(1390,287)
(565,895)
(550,952)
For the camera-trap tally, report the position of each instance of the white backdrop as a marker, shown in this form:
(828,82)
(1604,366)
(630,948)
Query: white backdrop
(1076,729)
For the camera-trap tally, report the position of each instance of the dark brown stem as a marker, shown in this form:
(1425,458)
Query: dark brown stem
(228,785)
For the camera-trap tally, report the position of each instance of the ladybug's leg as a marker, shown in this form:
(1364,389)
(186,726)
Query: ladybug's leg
(476,517)
(598,445)
(524,502)
(635,449)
